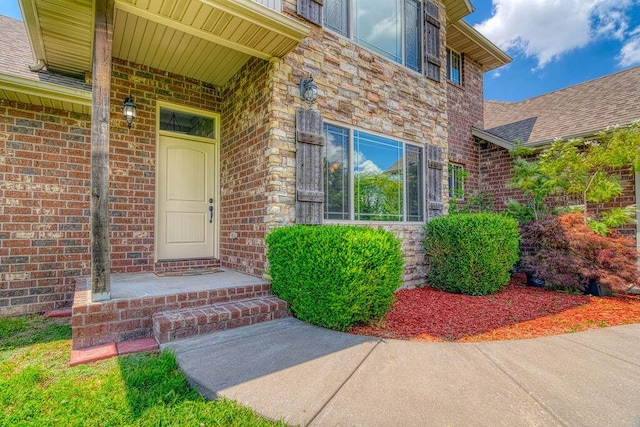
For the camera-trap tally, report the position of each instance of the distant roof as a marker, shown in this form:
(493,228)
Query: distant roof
(576,111)
(17,57)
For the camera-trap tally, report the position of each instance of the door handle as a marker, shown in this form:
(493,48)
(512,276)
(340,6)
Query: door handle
(210,214)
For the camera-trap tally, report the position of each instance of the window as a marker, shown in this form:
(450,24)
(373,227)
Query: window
(371,178)
(454,66)
(187,123)
(391,28)
(456,181)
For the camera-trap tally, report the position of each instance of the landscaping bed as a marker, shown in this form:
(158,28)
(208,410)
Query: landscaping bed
(517,312)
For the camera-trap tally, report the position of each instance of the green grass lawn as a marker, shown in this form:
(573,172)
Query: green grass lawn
(38,388)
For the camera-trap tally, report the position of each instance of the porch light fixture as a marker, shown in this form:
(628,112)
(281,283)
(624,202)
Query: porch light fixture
(309,90)
(129,110)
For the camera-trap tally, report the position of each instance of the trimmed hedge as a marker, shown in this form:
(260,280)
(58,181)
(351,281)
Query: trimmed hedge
(471,254)
(335,276)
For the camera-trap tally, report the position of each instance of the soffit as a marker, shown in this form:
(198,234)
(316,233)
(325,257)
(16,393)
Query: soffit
(463,38)
(458,9)
(201,39)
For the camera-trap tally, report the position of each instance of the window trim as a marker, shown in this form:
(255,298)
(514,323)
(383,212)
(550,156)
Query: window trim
(350,36)
(351,185)
(458,168)
(450,53)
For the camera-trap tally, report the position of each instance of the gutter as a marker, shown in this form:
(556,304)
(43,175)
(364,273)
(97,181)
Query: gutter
(81,99)
(486,136)
(537,145)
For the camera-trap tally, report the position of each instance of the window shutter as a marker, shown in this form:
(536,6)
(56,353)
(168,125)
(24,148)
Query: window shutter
(435,165)
(311,10)
(432,36)
(309,157)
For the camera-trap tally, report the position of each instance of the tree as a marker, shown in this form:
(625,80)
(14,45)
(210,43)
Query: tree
(587,170)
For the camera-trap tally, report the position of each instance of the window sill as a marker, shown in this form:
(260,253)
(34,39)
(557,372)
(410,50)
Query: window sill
(383,223)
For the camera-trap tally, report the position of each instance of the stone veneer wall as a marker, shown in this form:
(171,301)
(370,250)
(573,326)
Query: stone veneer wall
(358,89)
(465,107)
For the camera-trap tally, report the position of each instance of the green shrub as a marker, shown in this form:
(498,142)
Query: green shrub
(471,253)
(335,276)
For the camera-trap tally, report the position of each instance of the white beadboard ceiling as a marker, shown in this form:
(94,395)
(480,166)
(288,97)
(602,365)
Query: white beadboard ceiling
(202,39)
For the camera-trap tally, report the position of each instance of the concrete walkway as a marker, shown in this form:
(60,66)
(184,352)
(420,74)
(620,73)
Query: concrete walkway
(305,375)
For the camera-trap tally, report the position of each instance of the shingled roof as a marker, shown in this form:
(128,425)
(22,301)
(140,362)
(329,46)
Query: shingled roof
(580,110)
(17,57)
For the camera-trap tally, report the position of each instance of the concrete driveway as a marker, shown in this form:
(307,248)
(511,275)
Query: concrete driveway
(288,370)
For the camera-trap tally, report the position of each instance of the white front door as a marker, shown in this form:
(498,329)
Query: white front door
(186,215)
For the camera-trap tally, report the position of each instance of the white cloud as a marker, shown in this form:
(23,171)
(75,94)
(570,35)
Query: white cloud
(630,52)
(547,29)
(368,167)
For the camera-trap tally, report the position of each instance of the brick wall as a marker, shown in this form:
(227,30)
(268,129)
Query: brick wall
(496,173)
(44,175)
(465,108)
(45,156)
(45,181)
(133,160)
(243,177)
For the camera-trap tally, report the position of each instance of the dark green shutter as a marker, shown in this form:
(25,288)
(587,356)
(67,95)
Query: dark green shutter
(309,161)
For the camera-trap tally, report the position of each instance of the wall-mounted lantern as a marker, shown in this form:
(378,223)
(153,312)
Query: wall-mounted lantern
(309,90)
(129,110)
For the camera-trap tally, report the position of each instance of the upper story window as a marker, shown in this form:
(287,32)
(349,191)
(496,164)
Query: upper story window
(371,178)
(392,28)
(454,66)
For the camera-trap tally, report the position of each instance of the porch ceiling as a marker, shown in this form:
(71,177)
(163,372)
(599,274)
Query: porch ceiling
(205,40)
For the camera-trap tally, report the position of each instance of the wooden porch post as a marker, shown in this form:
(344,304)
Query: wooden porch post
(101,90)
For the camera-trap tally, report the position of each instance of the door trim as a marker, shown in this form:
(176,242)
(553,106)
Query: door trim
(216,170)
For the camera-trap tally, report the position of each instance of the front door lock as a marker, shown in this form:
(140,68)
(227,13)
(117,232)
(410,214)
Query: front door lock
(211,210)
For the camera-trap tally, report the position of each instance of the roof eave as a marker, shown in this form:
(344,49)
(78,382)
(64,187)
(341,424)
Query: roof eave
(458,9)
(497,57)
(486,136)
(32,25)
(46,94)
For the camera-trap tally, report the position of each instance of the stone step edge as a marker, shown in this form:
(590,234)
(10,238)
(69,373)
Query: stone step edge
(179,324)
(109,350)
(59,312)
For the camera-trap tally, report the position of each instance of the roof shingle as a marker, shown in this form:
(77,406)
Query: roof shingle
(16,57)
(584,108)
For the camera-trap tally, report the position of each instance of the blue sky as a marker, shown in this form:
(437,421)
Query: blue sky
(556,43)
(553,43)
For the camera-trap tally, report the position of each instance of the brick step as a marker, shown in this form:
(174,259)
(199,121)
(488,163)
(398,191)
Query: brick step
(185,323)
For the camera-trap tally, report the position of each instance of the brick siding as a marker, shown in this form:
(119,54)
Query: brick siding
(44,175)
(465,110)
(496,172)
(243,177)
(45,158)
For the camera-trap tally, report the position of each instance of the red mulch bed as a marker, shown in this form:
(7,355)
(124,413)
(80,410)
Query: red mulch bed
(517,312)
